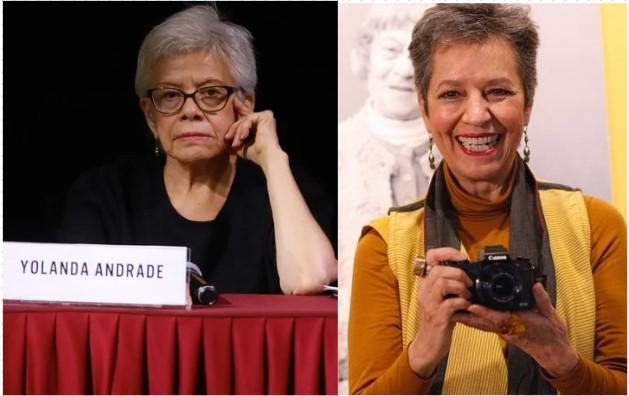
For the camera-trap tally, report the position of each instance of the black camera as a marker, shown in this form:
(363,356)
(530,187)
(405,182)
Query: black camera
(500,282)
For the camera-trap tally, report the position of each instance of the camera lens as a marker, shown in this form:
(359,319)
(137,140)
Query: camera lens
(502,287)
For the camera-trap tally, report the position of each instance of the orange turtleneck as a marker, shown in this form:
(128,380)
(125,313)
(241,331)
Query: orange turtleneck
(378,362)
(481,220)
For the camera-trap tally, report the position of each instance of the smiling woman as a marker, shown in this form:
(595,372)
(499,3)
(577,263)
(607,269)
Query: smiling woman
(476,109)
(426,331)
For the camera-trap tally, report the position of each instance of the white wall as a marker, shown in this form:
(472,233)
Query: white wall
(568,129)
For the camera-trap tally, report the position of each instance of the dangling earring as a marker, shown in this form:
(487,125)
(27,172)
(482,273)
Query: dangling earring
(431,156)
(156,148)
(526,151)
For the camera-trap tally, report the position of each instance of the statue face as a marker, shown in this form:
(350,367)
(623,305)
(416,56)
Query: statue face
(390,79)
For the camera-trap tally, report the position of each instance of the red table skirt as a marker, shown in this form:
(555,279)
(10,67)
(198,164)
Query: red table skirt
(246,345)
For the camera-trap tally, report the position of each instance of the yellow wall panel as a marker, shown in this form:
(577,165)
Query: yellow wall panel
(614,23)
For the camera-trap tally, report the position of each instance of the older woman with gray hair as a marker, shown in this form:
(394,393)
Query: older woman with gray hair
(495,282)
(219,181)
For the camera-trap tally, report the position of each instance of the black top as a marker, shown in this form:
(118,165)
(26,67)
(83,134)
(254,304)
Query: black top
(126,203)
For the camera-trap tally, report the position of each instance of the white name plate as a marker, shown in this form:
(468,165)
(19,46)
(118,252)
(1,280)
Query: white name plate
(95,274)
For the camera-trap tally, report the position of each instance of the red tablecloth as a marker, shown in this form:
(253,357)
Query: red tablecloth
(246,344)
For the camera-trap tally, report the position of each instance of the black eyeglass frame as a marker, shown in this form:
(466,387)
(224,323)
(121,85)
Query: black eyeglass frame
(230,92)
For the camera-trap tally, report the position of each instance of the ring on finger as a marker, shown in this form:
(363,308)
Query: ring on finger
(422,268)
(515,326)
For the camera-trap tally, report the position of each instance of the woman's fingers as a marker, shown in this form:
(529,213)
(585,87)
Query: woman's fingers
(238,134)
(542,301)
(455,306)
(443,294)
(231,131)
(245,131)
(444,288)
(492,320)
(469,319)
(442,271)
(438,256)
(444,284)
(435,256)
(239,131)
(253,136)
(241,108)
(241,111)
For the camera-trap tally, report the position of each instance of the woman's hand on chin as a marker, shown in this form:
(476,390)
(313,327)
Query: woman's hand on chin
(539,332)
(254,135)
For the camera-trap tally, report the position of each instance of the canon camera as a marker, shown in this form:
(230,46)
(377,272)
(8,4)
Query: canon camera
(500,282)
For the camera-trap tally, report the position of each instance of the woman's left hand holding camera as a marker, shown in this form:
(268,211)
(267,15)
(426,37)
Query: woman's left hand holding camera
(539,332)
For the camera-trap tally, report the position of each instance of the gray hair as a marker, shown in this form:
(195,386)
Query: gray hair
(198,28)
(445,24)
(381,17)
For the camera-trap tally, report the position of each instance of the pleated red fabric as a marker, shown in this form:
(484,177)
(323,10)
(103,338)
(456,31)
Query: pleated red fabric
(246,344)
(279,336)
(103,340)
(189,339)
(41,354)
(331,353)
(308,349)
(161,352)
(218,356)
(129,368)
(71,340)
(248,350)
(14,349)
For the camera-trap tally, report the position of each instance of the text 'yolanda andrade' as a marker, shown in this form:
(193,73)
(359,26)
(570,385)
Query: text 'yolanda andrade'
(100,274)
(128,270)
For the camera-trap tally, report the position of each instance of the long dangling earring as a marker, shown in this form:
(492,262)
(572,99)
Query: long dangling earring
(527,150)
(431,156)
(156,148)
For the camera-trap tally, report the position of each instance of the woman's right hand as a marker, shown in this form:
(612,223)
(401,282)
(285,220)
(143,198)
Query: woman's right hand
(443,292)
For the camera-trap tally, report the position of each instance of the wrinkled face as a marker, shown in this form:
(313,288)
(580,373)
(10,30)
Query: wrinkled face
(190,134)
(476,109)
(390,79)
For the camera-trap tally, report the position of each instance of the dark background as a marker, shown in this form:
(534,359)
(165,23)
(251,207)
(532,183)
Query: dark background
(70,105)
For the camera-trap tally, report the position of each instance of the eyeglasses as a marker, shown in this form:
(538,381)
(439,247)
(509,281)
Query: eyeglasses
(209,99)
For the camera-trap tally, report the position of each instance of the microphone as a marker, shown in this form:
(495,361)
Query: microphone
(200,290)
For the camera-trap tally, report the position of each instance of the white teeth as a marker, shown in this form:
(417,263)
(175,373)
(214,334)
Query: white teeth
(478,144)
